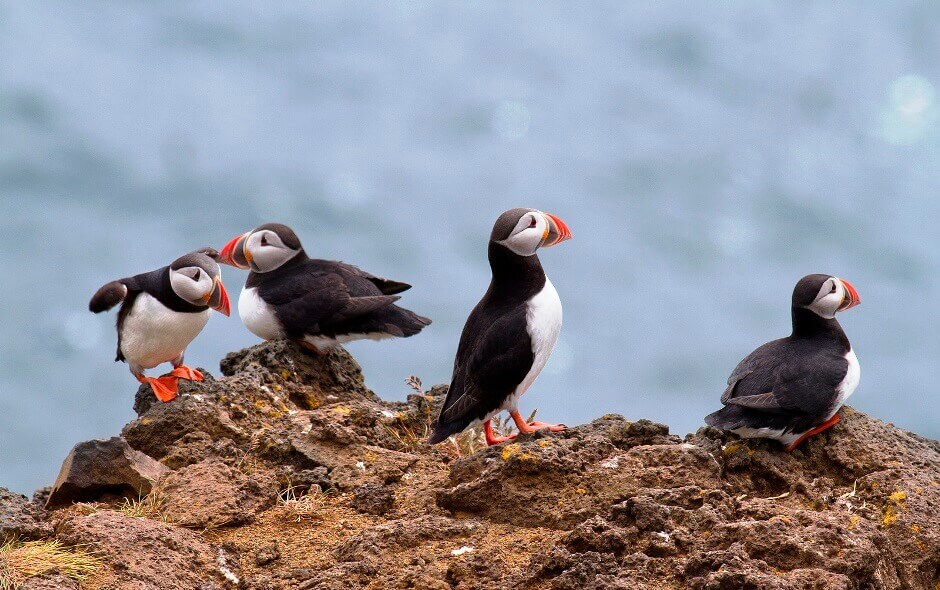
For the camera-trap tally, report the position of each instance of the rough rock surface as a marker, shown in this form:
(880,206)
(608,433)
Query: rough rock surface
(20,518)
(104,466)
(290,474)
(147,555)
(212,494)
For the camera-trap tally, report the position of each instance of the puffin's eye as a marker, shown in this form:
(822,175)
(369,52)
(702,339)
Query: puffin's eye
(264,240)
(532,222)
(834,288)
(197,275)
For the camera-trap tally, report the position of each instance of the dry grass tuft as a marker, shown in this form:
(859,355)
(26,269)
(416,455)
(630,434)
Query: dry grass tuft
(411,435)
(151,506)
(20,561)
(299,504)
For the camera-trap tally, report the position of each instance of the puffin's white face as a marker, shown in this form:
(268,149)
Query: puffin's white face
(833,297)
(528,235)
(192,284)
(265,251)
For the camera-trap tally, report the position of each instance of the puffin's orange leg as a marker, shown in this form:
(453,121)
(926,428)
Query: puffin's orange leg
(491,438)
(529,428)
(824,426)
(166,388)
(184,372)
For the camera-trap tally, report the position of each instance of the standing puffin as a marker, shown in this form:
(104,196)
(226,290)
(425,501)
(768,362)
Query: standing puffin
(162,311)
(790,389)
(510,333)
(319,303)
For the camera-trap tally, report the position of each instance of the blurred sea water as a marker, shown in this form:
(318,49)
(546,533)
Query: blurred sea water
(706,155)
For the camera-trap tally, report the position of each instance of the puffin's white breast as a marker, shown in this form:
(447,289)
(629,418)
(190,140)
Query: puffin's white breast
(849,382)
(543,323)
(258,316)
(153,333)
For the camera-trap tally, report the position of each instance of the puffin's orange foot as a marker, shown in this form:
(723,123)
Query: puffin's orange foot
(184,372)
(530,427)
(491,438)
(166,388)
(824,426)
(546,426)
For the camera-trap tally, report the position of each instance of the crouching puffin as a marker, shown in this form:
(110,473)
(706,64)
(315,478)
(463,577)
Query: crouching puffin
(790,389)
(318,303)
(510,333)
(162,311)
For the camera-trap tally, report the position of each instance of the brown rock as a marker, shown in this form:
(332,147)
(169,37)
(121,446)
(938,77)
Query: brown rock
(145,554)
(164,425)
(212,494)
(374,498)
(20,518)
(104,467)
(54,581)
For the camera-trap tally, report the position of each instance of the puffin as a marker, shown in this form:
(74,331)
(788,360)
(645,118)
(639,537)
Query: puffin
(792,388)
(509,335)
(317,303)
(161,312)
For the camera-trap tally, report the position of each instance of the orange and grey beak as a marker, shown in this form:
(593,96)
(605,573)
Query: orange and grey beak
(556,231)
(234,253)
(218,298)
(851,298)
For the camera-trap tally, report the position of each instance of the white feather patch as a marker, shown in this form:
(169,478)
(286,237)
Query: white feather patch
(153,334)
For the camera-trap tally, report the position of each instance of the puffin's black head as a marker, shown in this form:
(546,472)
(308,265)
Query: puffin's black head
(197,279)
(524,231)
(263,249)
(825,295)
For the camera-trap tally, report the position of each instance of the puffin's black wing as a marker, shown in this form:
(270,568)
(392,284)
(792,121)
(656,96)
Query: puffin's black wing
(108,296)
(123,291)
(318,294)
(386,286)
(492,360)
(784,377)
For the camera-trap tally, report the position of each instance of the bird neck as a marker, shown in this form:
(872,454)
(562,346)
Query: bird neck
(522,275)
(807,324)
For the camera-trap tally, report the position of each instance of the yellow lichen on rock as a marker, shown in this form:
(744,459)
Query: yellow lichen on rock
(510,450)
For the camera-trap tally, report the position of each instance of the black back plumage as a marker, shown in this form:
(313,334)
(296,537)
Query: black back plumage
(328,298)
(495,351)
(788,384)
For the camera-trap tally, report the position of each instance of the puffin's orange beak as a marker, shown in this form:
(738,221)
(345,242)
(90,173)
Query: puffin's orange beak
(234,253)
(218,298)
(851,297)
(556,232)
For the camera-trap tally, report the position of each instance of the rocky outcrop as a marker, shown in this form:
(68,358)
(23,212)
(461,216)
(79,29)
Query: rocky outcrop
(97,468)
(21,519)
(286,472)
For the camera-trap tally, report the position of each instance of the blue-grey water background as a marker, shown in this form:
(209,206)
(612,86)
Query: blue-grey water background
(705,154)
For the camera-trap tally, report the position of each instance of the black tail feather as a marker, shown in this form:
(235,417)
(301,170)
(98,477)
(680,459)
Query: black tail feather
(442,431)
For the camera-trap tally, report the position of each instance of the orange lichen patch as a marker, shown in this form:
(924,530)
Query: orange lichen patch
(897,497)
(345,410)
(545,443)
(915,528)
(889,515)
(853,521)
(580,491)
